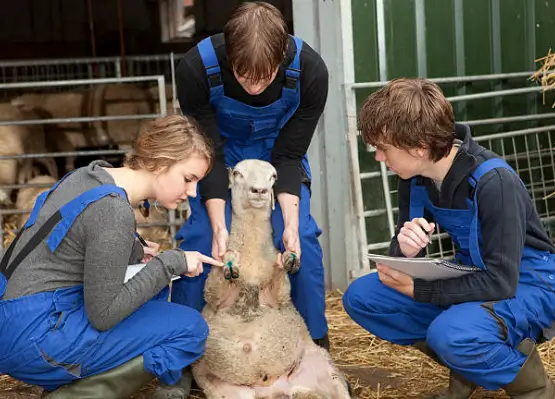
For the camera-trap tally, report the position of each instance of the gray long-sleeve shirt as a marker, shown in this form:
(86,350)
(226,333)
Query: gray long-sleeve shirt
(95,253)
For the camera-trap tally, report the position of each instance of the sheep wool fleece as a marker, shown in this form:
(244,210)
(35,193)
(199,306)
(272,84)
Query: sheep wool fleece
(477,340)
(250,133)
(47,339)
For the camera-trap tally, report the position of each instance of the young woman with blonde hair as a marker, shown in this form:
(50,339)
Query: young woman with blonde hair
(68,319)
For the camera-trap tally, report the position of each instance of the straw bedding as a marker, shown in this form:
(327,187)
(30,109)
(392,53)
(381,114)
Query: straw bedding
(376,369)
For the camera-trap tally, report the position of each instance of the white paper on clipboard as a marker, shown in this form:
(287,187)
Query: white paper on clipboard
(134,269)
(424,268)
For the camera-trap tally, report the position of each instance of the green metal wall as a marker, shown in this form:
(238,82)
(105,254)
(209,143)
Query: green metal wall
(442,38)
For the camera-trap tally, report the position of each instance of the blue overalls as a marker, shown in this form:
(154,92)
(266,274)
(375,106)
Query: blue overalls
(47,340)
(477,340)
(250,133)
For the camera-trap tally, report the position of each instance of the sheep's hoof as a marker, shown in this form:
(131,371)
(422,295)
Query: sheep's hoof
(291,262)
(231,270)
(231,266)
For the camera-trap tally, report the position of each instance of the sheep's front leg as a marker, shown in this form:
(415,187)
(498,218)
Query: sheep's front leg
(219,293)
(278,292)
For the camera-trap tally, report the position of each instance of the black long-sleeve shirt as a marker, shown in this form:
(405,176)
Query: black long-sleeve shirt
(508,222)
(294,138)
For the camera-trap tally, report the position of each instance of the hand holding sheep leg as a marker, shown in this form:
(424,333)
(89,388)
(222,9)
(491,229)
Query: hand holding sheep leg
(291,262)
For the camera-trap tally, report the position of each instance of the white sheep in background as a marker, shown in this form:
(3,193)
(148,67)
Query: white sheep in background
(97,101)
(19,140)
(27,196)
(259,345)
(160,234)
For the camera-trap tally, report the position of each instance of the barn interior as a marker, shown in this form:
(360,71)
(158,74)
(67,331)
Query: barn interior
(81,76)
(74,56)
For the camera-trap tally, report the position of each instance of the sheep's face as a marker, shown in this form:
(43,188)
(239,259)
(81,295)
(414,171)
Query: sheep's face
(251,183)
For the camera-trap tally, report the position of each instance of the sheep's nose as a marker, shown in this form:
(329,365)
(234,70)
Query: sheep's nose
(255,190)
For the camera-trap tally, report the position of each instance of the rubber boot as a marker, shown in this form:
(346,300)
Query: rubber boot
(181,390)
(531,382)
(459,388)
(118,383)
(323,342)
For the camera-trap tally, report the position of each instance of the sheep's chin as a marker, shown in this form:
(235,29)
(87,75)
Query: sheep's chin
(258,203)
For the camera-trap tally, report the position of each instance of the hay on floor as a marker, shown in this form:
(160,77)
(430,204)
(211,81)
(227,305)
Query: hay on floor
(376,369)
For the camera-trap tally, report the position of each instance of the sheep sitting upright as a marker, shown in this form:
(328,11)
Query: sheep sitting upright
(258,345)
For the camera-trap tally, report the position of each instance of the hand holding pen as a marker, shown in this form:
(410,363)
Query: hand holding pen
(415,236)
(150,248)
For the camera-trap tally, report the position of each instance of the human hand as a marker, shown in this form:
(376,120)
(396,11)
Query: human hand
(398,281)
(194,263)
(219,243)
(414,236)
(151,251)
(291,240)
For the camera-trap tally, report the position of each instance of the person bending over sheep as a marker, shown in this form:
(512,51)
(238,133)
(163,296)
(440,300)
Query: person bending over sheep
(483,326)
(68,320)
(259,93)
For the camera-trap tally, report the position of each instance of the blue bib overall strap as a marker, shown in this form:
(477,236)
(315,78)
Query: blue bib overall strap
(475,177)
(212,67)
(463,225)
(55,228)
(291,91)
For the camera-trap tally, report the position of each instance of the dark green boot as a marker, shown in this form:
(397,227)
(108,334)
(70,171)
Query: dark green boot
(531,382)
(459,388)
(118,383)
(181,390)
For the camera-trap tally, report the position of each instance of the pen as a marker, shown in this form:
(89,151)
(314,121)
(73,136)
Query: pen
(141,239)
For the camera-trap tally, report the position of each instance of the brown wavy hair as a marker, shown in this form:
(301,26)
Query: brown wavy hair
(256,40)
(409,113)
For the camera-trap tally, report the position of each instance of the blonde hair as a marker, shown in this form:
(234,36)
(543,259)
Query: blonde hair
(167,140)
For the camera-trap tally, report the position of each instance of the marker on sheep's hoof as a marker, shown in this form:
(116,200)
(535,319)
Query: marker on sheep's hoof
(291,262)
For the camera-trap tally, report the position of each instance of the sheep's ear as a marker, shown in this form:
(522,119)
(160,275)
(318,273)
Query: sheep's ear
(230,176)
(273,178)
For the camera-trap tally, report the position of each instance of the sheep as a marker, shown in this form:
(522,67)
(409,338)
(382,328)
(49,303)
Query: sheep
(155,99)
(156,214)
(99,100)
(26,197)
(259,345)
(19,140)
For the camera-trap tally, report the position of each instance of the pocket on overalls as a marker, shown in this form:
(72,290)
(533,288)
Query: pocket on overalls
(72,338)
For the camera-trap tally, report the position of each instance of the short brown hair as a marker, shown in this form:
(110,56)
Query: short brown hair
(256,40)
(167,140)
(409,113)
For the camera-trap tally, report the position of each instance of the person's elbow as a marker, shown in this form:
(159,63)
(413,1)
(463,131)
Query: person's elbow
(503,288)
(100,321)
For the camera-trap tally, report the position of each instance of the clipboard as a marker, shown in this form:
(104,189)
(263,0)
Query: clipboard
(425,268)
(134,269)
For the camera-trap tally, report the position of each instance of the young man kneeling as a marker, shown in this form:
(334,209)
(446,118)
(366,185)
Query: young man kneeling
(483,326)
